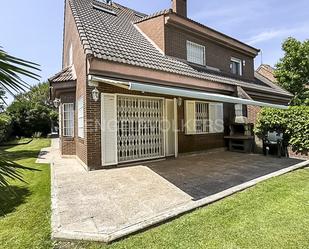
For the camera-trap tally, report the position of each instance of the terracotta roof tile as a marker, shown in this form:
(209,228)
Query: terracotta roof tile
(67,74)
(114,37)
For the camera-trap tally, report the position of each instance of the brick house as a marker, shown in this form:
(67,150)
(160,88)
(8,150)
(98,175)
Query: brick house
(139,87)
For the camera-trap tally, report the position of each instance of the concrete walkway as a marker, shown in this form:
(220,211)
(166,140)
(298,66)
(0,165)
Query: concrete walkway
(108,204)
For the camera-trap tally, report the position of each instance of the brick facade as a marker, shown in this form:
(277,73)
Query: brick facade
(71,38)
(154,29)
(187,143)
(217,56)
(253,112)
(172,41)
(180,7)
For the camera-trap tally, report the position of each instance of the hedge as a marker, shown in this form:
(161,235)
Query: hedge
(5,127)
(294,123)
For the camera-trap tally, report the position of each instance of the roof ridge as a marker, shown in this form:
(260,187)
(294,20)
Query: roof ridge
(158,13)
(70,69)
(130,9)
(81,31)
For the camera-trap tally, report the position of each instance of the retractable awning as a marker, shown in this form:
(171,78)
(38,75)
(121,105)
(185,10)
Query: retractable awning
(181,92)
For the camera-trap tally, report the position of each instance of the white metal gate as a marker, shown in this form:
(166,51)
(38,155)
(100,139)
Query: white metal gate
(140,134)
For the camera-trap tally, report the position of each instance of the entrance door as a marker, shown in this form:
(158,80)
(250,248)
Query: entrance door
(139,128)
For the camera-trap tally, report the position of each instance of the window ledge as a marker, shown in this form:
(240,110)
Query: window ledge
(68,138)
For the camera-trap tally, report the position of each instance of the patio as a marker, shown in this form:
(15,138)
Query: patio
(108,204)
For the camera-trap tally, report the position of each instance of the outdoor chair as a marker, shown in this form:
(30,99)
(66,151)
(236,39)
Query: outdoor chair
(274,140)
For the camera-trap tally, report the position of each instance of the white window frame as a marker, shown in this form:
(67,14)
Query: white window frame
(80,117)
(190,54)
(211,126)
(65,118)
(239,61)
(195,125)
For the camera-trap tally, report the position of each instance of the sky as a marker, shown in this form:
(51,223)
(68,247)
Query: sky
(33,29)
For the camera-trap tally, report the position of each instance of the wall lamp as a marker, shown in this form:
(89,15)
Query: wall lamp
(57,102)
(95,94)
(179,101)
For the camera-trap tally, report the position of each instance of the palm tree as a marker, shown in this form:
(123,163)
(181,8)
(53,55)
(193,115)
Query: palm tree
(11,70)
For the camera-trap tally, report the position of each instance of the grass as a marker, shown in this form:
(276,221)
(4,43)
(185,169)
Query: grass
(17,142)
(274,214)
(26,219)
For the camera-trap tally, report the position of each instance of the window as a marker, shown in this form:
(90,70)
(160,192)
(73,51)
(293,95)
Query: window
(202,117)
(238,110)
(196,53)
(68,120)
(236,67)
(80,114)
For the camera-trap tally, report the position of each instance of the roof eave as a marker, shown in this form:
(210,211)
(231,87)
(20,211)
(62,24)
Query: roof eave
(186,23)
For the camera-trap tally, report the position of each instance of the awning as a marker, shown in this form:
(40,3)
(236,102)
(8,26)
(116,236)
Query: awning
(181,92)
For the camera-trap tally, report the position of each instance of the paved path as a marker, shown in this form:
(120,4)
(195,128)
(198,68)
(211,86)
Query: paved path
(108,204)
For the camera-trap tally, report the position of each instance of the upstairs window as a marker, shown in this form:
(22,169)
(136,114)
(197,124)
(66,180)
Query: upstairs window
(236,66)
(80,114)
(196,53)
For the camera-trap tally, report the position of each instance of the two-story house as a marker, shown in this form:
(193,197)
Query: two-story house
(140,87)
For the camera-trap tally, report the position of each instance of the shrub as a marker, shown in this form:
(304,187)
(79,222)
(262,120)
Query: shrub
(294,123)
(5,127)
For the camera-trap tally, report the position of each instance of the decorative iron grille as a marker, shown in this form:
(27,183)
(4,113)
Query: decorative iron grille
(140,134)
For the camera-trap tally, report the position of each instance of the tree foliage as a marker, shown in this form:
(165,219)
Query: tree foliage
(2,100)
(294,123)
(11,70)
(292,71)
(5,127)
(31,113)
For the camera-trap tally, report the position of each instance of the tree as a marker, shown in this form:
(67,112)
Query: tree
(2,100)
(11,70)
(292,71)
(31,113)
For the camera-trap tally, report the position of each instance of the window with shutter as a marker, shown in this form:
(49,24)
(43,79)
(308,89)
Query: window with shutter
(203,117)
(216,118)
(190,117)
(196,53)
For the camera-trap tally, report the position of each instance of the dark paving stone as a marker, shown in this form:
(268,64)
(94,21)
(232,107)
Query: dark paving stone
(205,174)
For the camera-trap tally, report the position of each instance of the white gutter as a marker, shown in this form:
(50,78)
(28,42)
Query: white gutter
(175,91)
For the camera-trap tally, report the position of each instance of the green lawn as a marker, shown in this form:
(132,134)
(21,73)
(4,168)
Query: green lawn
(274,214)
(19,141)
(26,223)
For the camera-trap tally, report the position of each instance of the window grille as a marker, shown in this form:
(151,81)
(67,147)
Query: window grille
(202,117)
(140,134)
(195,53)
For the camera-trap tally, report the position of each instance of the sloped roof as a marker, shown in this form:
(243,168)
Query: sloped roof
(113,37)
(67,74)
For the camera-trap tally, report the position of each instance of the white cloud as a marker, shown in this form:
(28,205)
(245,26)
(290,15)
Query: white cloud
(272,34)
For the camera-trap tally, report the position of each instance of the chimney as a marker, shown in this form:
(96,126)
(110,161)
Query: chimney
(180,7)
